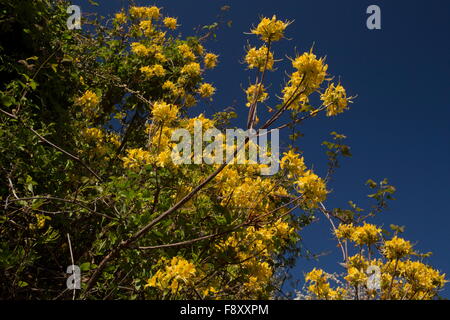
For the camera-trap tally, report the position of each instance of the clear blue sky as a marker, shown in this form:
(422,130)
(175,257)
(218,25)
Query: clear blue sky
(398,127)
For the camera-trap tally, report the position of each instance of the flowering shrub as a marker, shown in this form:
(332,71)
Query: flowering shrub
(86,128)
(400,277)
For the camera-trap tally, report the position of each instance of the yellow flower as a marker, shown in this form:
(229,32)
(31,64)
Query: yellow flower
(164,112)
(121,17)
(358,261)
(397,248)
(253,91)
(320,287)
(335,98)
(179,271)
(420,276)
(355,276)
(140,49)
(283,229)
(156,70)
(270,29)
(136,158)
(292,162)
(186,52)
(311,71)
(92,134)
(312,187)
(316,275)
(114,139)
(145,12)
(259,58)
(367,234)
(89,101)
(169,85)
(210,60)
(173,88)
(192,69)
(345,231)
(146,26)
(170,23)
(206,90)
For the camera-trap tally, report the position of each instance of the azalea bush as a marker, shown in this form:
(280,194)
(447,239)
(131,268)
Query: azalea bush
(88,178)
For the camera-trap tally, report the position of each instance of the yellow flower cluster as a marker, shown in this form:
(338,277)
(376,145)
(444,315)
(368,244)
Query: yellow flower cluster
(173,88)
(311,70)
(140,49)
(206,90)
(192,69)
(135,158)
(156,70)
(147,27)
(253,248)
(99,140)
(176,274)
(89,101)
(420,277)
(161,145)
(244,190)
(145,12)
(260,273)
(210,60)
(335,98)
(258,241)
(270,29)
(255,90)
(260,58)
(92,134)
(170,23)
(186,52)
(312,187)
(400,277)
(366,234)
(310,74)
(164,112)
(293,163)
(358,261)
(345,231)
(397,248)
(320,287)
(190,123)
(355,276)
(120,18)
(40,221)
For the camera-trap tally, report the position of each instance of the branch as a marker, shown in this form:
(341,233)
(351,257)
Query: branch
(79,203)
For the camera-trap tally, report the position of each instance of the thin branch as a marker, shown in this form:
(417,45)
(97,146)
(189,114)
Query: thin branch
(73,262)
(326,214)
(79,203)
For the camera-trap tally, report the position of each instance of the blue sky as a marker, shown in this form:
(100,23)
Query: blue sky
(398,127)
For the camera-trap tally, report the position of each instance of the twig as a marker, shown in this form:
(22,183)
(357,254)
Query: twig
(73,264)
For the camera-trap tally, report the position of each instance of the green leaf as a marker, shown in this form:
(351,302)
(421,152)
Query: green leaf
(86,266)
